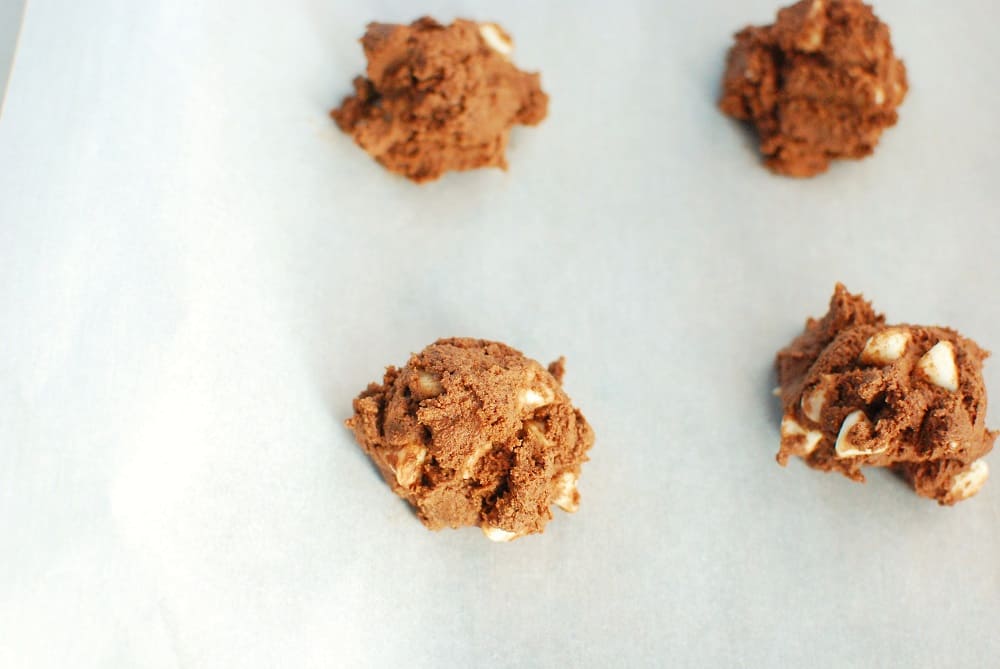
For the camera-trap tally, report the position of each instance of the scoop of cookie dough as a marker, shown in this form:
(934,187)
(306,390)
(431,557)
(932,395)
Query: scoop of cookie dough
(857,392)
(439,98)
(821,83)
(471,432)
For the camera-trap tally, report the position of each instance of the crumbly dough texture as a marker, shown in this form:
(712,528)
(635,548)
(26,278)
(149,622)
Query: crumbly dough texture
(471,432)
(439,98)
(857,392)
(821,83)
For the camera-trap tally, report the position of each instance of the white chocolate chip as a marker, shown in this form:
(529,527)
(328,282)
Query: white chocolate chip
(470,463)
(848,448)
(567,499)
(969,482)
(814,400)
(536,428)
(885,346)
(812,404)
(535,393)
(496,534)
(790,429)
(496,39)
(938,365)
(813,39)
(409,459)
(879,96)
(532,399)
(428,385)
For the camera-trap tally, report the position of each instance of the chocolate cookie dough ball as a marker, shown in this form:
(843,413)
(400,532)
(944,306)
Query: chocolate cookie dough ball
(439,98)
(860,393)
(471,432)
(821,83)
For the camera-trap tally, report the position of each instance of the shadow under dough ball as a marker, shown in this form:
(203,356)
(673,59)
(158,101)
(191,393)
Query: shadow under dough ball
(859,393)
(439,98)
(471,432)
(821,83)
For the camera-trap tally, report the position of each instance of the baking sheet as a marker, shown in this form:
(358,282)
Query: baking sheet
(198,272)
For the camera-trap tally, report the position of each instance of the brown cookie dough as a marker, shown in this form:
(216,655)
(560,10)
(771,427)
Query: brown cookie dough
(857,392)
(439,98)
(821,83)
(471,432)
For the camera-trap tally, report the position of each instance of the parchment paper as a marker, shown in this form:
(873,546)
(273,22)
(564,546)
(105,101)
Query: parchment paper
(198,272)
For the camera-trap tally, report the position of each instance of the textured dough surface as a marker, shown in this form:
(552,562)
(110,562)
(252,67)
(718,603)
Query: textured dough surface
(857,392)
(472,432)
(821,83)
(439,98)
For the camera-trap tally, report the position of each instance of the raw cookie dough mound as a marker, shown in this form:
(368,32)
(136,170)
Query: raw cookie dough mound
(857,392)
(821,83)
(439,98)
(471,432)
